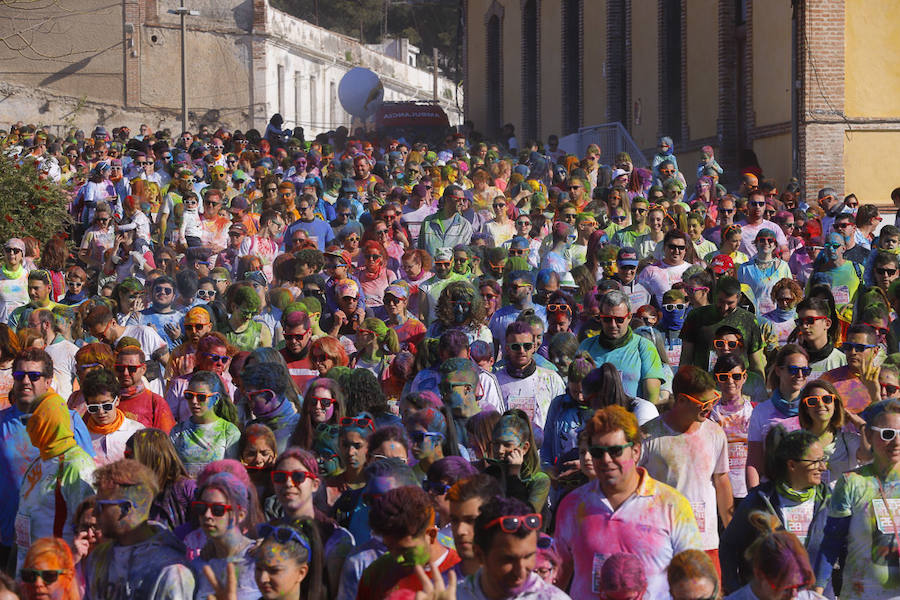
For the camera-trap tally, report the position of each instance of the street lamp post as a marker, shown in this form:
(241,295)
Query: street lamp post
(183,12)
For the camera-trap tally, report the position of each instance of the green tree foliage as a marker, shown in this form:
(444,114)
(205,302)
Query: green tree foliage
(30,205)
(428,24)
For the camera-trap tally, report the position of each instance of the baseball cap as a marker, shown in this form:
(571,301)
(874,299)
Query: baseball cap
(765,233)
(239,227)
(419,190)
(627,256)
(618,173)
(342,254)
(398,289)
(721,264)
(16,243)
(346,287)
(443,254)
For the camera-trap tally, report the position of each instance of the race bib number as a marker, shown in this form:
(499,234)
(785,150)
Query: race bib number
(841,294)
(737,456)
(766,305)
(23,531)
(637,299)
(883,514)
(797,519)
(523,403)
(599,559)
(699,509)
(674,356)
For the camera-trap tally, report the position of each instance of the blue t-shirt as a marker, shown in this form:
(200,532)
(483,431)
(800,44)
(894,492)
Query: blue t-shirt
(19,453)
(319,231)
(158,321)
(636,360)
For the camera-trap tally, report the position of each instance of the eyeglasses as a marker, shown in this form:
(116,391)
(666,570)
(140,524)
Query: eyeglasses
(614,318)
(808,320)
(620,219)
(515,523)
(851,347)
(814,462)
(671,307)
(765,240)
(613,451)
(192,396)
(705,404)
(128,368)
(436,488)
(695,289)
(359,422)
(886,272)
(283,535)
(887,434)
(523,347)
(296,477)
(48,576)
(373,257)
(206,293)
(32,375)
(882,331)
(216,358)
(814,401)
(723,377)
(98,408)
(195,326)
(757,204)
(725,344)
(676,247)
(798,371)
(216,508)
(639,211)
(321,401)
(559,308)
(888,389)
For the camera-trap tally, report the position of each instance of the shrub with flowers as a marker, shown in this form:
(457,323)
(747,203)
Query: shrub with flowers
(31,204)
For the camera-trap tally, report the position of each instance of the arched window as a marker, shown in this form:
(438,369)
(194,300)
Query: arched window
(572,67)
(530,70)
(494,74)
(671,48)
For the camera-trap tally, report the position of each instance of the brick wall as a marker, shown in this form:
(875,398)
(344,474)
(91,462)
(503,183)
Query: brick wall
(821,72)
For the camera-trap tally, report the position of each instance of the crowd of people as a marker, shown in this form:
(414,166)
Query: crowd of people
(364,367)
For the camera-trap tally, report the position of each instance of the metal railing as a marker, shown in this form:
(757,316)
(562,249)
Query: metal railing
(612,139)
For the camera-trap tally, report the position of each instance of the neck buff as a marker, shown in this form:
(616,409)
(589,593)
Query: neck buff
(94,427)
(674,320)
(780,315)
(787,409)
(132,391)
(17,274)
(609,344)
(71,298)
(50,427)
(820,354)
(526,371)
(795,495)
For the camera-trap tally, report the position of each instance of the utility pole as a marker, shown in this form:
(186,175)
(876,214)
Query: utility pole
(434,59)
(183,12)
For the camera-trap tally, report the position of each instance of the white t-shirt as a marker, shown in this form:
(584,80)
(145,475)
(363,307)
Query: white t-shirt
(149,340)
(735,424)
(748,235)
(413,218)
(765,416)
(688,462)
(659,278)
(110,447)
(63,355)
(532,394)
